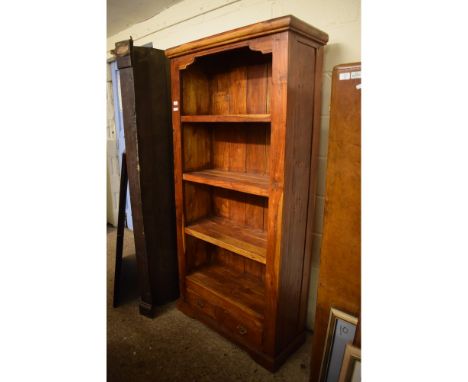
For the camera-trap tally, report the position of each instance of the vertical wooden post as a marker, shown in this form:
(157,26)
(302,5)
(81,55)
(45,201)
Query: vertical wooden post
(120,231)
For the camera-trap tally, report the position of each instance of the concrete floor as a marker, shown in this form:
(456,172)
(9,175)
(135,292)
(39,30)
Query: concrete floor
(172,346)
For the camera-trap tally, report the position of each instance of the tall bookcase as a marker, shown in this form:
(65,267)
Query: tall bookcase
(246,108)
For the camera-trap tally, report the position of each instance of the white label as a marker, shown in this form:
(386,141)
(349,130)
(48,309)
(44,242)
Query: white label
(356,74)
(345,76)
(175,103)
(358,86)
(175,109)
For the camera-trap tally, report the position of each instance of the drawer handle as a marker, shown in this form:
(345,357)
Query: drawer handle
(200,303)
(241,329)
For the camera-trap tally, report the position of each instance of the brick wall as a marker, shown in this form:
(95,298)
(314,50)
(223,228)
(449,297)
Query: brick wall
(193,19)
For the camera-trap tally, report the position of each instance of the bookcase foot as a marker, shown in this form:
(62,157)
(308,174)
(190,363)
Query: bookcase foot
(146,309)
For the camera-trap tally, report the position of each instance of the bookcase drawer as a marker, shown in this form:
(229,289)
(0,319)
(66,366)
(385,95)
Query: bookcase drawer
(201,304)
(243,327)
(233,320)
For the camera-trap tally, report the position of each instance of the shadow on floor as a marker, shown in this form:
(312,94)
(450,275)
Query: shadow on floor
(129,291)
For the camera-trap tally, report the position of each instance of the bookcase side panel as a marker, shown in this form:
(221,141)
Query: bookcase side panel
(151,82)
(144,83)
(278,93)
(298,162)
(312,189)
(131,145)
(178,183)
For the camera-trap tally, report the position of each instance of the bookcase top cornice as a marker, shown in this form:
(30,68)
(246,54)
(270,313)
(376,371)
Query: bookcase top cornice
(262,28)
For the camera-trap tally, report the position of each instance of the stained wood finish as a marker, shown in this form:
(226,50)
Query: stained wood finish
(255,184)
(234,85)
(242,240)
(286,23)
(144,80)
(246,132)
(231,147)
(340,258)
(233,288)
(299,148)
(227,118)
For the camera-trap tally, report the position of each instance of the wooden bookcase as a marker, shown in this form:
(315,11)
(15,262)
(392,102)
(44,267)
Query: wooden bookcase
(245,112)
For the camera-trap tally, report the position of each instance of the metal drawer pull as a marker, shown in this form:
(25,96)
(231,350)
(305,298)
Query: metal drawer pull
(241,329)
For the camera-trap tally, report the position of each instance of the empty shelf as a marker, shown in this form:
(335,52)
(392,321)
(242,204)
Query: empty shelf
(244,241)
(227,118)
(256,184)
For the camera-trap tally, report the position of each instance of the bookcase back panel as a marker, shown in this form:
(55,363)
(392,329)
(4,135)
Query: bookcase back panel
(244,209)
(233,82)
(241,147)
(238,263)
(198,253)
(196,142)
(202,254)
(204,201)
(197,202)
(238,147)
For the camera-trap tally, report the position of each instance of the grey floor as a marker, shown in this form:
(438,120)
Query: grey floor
(172,346)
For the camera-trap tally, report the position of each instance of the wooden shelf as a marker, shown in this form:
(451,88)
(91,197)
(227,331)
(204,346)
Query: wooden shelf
(244,241)
(255,184)
(227,118)
(239,289)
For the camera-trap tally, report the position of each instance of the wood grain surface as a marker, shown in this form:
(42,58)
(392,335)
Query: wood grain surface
(248,242)
(227,118)
(144,80)
(340,257)
(256,184)
(246,133)
(254,30)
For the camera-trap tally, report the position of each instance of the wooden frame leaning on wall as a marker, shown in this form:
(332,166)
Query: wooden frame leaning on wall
(336,316)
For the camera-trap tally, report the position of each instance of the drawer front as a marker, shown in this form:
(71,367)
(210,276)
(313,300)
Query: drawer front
(243,327)
(201,304)
(233,320)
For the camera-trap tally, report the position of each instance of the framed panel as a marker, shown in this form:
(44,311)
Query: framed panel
(351,366)
(341,331)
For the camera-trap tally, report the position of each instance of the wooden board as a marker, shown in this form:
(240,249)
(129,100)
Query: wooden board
(144,81)
(231,87)
(227,118)
(340,257)
(236,288)
(247,242)
(255,184)
(299,150)
(277,25)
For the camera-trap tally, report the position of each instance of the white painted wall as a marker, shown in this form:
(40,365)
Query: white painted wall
(113,170)
(193,19)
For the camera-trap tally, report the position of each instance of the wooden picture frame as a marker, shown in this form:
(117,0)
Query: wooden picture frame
(339,324)
(351,360)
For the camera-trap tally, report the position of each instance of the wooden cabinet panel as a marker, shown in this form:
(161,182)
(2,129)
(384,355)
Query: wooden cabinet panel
(246,132)
(340,258)
(144,79)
